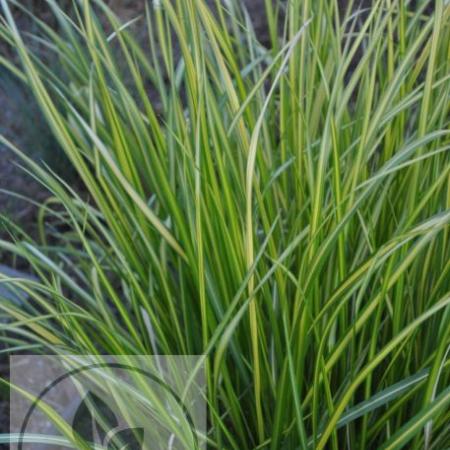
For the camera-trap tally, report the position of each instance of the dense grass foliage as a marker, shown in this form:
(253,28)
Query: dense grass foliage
(282,210)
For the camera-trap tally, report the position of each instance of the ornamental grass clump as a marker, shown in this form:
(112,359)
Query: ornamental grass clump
(281,208)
